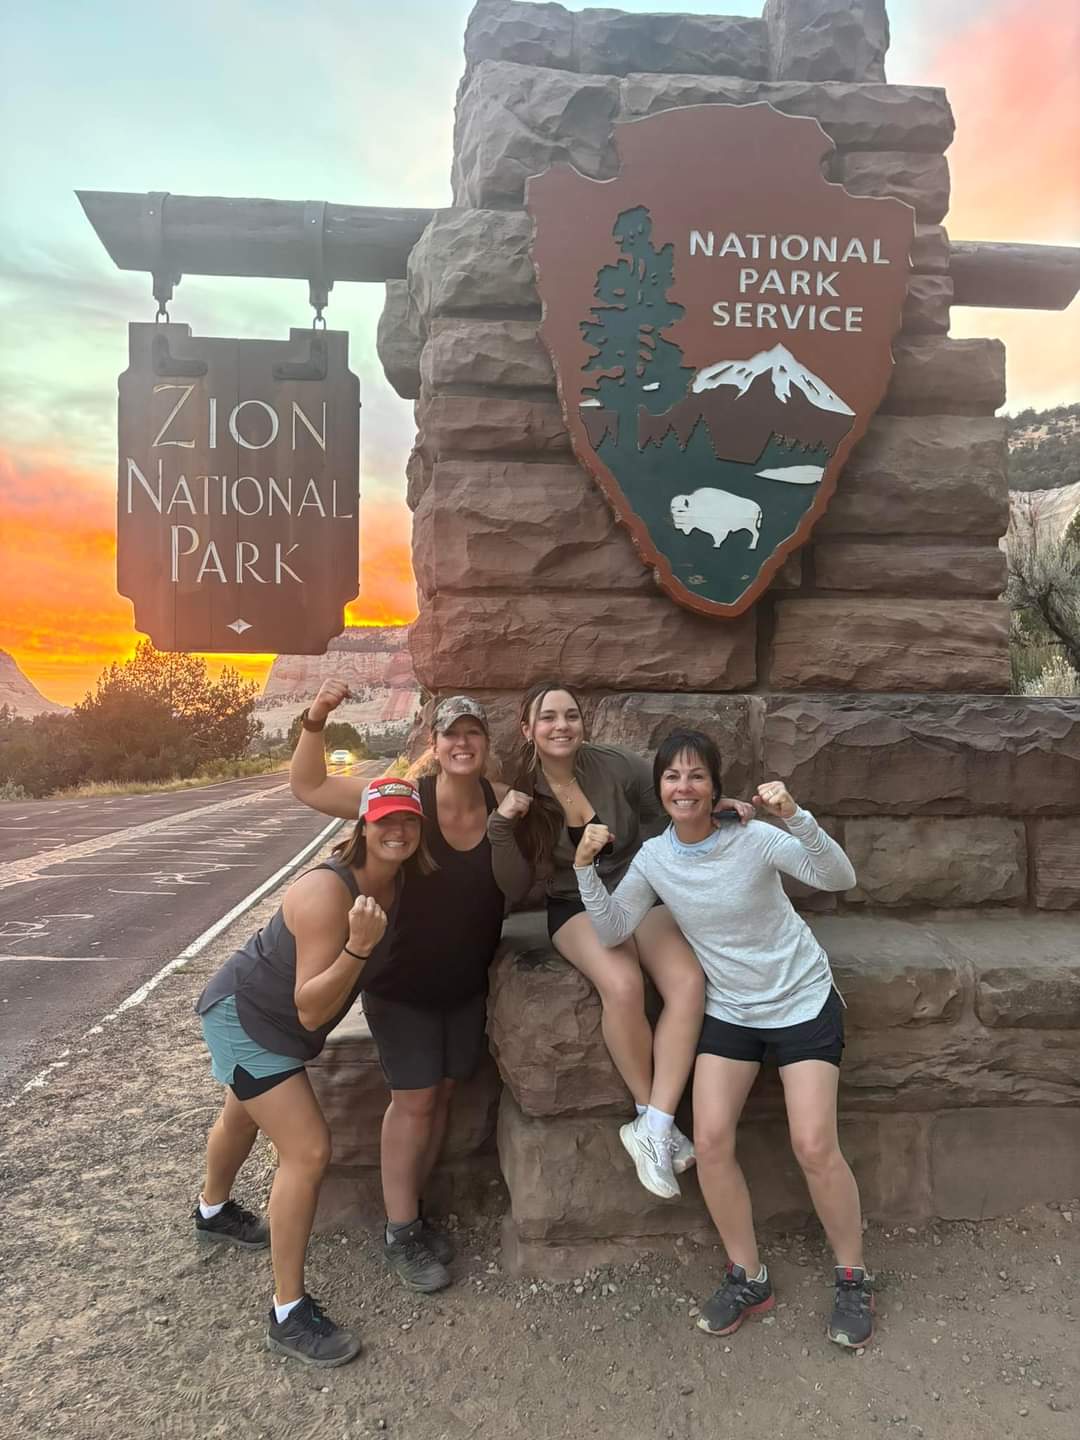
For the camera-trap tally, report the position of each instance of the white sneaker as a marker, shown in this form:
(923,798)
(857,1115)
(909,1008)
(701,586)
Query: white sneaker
(682,1151)
(652,1159)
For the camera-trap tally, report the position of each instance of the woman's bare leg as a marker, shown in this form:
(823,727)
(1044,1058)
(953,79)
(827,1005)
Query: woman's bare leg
(810,1088)
(675,971)
(616,975)
(289,1116)
(443,1099)
(405,1152)
(720,1090)
(227,1147)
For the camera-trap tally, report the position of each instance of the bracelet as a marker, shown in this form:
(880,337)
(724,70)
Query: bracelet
(313,725)
(354,955)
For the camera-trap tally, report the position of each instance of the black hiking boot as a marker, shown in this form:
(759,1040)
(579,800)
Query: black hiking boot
(234,1225)
(311,1337)
(737,1298)
(410,1255)
(852,1322)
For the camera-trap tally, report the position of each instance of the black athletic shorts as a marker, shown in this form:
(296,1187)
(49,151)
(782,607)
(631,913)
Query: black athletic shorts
(821,1038)
(418,1048)
(559,911)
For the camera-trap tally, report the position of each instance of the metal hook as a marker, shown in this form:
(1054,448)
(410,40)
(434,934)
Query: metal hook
(319,286)
(164,277)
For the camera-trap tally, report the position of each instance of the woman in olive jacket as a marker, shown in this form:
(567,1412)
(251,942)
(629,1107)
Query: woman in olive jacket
(565,783)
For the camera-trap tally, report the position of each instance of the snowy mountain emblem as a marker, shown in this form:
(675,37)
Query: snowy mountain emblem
(719,347)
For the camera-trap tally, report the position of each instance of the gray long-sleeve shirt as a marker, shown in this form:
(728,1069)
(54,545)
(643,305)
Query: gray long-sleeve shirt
(763,966)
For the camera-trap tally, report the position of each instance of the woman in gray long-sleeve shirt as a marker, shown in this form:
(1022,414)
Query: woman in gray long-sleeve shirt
(768,993)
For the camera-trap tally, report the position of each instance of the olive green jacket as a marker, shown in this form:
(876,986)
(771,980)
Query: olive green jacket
(619,786)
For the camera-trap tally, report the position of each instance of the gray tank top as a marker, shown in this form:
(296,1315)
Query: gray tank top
(262,977)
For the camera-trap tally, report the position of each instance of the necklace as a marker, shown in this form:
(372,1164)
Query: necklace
(563,788)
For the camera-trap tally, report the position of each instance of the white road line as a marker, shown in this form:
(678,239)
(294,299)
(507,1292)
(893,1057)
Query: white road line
(200,943)
(65,959)
(30,867)
(138,996)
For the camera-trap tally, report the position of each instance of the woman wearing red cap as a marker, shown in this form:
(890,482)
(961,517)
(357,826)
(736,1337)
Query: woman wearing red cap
(426,1007)
(267,1012)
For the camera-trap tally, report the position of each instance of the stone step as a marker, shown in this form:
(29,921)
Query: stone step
(974,1010)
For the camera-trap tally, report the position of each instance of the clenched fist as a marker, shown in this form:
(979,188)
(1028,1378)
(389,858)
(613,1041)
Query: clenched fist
(593,840)
(514,804)
(331,694)
(774,799)
(367,925)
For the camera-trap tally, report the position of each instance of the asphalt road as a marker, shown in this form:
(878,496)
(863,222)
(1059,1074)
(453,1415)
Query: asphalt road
(97,895)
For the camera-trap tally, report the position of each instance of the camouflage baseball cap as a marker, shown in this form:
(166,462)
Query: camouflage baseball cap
(454,708)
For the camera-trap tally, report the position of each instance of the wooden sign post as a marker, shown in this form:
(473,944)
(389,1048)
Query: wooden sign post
(238,501)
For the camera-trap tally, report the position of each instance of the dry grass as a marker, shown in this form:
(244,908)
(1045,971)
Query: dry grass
(96,789)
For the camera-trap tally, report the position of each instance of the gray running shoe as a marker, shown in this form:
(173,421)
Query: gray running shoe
(311,1337)
(410,1255)
(737,1298)
(234,1225)
(852,1321)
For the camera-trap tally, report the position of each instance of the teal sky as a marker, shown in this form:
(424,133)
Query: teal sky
(344,100)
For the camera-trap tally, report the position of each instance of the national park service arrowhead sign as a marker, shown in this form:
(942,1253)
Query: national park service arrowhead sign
(720,319)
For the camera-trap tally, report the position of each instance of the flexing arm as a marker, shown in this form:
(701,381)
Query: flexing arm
(513,873)
(308,780)
(805,852)
(325,970)
(617,915)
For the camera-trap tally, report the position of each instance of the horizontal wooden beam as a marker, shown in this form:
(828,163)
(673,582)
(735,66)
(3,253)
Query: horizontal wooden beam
(213,235)
(1014,277)
(271,239)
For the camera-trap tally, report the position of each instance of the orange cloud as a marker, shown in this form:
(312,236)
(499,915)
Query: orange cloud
(387,587)
(60,614)
(1011,78)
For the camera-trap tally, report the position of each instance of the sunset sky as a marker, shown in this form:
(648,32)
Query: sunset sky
(352,101)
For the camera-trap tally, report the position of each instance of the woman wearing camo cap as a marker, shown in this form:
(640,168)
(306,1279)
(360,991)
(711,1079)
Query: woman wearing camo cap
(426,1008)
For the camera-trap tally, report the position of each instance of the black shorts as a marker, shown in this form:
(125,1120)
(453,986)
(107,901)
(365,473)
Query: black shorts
(418,1048)
(821,1038)
(559,911)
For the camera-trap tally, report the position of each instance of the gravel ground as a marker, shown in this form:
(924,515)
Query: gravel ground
(113,1324)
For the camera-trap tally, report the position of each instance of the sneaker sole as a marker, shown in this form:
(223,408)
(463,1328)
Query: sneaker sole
(210,1237)
(751,1310)
(626,1136)
(681,1166)
(332,1364)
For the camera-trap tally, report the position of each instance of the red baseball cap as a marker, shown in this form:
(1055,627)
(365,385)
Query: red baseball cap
(389,796)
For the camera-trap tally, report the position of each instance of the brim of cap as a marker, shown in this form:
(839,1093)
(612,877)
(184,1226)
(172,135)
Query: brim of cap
(380,809)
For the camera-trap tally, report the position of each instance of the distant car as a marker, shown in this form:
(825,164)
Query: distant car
(340,757)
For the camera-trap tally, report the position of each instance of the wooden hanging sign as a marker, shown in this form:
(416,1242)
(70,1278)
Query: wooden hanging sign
(238,501)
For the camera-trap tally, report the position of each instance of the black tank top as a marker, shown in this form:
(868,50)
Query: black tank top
(448,926)
(262,977)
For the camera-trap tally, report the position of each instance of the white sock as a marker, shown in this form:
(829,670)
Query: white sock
(760,1277)
(209,1211)
(640,1109)
(282,1312)
(657,1122)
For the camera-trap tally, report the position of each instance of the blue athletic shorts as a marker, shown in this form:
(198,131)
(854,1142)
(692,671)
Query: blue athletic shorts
(232,1049)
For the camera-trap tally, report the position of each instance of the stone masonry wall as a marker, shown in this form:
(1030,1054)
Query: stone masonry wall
(872,676)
